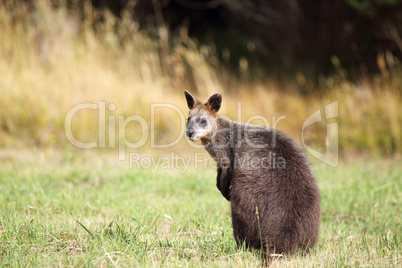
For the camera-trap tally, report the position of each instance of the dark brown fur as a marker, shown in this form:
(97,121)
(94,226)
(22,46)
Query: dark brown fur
(261,169)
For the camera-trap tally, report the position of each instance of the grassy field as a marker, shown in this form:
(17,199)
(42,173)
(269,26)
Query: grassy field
(80,210)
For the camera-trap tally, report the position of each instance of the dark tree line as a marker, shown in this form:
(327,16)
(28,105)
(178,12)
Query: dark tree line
(289,35)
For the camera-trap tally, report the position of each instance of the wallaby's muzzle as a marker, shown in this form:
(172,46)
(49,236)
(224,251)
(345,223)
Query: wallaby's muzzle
(190,134)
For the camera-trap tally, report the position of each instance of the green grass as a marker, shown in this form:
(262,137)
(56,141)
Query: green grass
(73,210)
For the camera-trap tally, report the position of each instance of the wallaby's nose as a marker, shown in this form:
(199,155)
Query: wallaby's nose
(190,133)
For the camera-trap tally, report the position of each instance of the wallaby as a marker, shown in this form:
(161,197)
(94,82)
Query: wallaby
(273,193)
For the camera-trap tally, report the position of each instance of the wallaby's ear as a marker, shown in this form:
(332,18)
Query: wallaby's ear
(214,102)
(190,99)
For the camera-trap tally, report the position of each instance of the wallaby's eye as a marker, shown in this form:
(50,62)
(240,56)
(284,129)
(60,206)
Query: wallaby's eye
(203,121)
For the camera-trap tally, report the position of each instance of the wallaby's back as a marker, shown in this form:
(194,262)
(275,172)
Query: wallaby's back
(277,181)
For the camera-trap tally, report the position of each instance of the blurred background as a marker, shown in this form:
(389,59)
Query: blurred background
(278,58)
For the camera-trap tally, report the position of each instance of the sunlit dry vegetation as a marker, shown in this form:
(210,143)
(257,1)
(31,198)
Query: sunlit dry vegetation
(51,59)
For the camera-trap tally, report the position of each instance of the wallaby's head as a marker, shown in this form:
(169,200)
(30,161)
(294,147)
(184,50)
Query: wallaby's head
(201,123)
